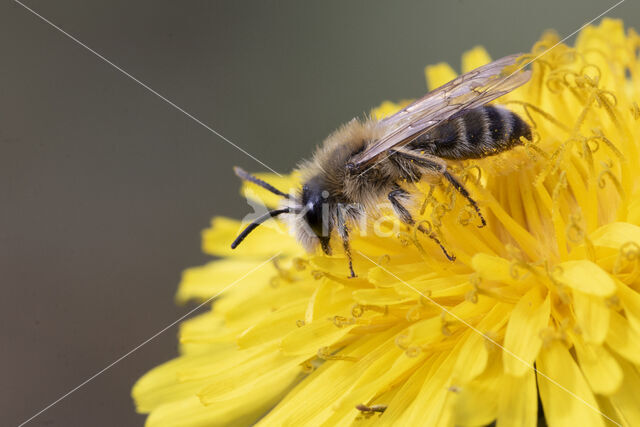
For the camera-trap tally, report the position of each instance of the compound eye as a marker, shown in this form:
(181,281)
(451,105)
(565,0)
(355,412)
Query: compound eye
(313,216)
(314,197)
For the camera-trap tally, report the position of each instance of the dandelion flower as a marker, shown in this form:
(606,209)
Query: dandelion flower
(551,283)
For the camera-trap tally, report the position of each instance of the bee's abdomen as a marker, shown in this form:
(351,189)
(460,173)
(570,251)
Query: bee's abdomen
(480,132)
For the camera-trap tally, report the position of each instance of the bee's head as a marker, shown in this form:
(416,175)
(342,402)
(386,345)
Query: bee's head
(315,210)
(311,220)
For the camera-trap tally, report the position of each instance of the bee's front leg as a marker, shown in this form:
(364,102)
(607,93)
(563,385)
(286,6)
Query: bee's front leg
(343,231)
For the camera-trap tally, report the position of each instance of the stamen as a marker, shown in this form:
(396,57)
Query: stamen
(341,321)
(307,367)
(513,270)
(574,231)
(357,311)
(613,302)
(558,286)
(527,107)
(629,252)
(299,263)
(444,329)
(599,135)
(325,353)
(429,198)
(384,259)
(472,296)
(413,351)
(413,314)
(606,172)
(402,341)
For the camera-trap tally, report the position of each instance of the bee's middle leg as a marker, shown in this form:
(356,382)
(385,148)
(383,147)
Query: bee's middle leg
(405,216)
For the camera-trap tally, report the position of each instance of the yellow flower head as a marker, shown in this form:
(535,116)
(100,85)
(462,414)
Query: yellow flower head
(551,283)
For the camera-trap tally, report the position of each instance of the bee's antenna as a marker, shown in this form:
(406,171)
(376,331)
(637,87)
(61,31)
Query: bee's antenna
(256,223)
(244,175)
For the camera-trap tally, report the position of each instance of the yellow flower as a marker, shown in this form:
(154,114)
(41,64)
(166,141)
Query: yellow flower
(551,282)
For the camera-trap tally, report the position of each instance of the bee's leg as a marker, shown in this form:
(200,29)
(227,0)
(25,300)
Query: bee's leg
(406,217)
(434,164)
(460,188)
(343,231)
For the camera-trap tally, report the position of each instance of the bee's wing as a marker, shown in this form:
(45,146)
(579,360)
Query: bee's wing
(470,90)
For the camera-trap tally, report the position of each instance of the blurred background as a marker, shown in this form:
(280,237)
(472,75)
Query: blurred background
(104,187)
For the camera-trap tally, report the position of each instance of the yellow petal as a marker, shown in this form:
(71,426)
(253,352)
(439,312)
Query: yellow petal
(408,391)
(162,384)
(190,411)
(495,268)
(311,401)
(309,338)
(626,400)
(330,298)
(623,339)
(630,300)
(474,58)
(615,235)
(380,297)
(476,403)
(586,277)
(474,353)
(262,374)
(428,406)
(387,108)
(275,325)
(439,74)
(204,282)
(592,317)
(380,374)
(518,401)
(522,341)
(567,400)
(599,367)
(259,244)
(288,184)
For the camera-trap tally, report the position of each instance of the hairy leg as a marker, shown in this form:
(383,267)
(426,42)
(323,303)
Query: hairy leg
(433,164)
(404,215)
(460,188)
(343,231)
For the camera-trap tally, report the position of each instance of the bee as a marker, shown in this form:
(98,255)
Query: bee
(367,161)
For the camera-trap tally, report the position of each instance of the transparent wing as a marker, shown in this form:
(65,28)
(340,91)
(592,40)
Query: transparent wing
(468,91)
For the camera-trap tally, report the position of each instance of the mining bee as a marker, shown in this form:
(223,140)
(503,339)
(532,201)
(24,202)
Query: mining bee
(366,161)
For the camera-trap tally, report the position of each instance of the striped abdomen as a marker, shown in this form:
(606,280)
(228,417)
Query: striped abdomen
(477,133)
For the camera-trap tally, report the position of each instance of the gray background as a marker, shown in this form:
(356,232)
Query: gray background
(104,188)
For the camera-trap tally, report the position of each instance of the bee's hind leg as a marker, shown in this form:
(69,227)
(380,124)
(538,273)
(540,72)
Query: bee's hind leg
(406,217)
(460,188)
(343,231)
(432,164)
